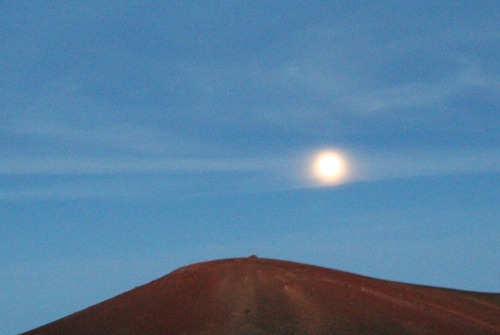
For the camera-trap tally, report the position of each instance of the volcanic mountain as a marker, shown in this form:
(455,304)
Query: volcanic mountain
(255,296)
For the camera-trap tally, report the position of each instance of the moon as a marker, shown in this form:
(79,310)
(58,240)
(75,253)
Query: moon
(329,168)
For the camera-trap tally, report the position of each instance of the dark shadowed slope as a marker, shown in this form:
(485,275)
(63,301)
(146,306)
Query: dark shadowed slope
(263,296)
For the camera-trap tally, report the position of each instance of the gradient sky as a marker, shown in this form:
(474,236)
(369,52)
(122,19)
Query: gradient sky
(137,137)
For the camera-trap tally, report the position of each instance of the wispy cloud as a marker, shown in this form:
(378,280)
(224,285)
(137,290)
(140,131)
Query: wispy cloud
(400,97)
(116,137)
(351,76)
(103,166)
(215,177)
(71,191)
(417,163)
(125,139)
(421,94)
(77,178)
(330,85)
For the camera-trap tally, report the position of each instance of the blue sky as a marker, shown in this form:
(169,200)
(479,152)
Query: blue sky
(140,137)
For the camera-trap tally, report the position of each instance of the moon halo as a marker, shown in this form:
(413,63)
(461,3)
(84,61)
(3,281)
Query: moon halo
(329,168)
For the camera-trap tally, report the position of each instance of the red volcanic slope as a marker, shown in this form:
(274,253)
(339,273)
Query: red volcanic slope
(262,296)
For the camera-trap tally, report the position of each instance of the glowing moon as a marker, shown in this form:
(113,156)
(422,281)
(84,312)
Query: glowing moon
(329,168)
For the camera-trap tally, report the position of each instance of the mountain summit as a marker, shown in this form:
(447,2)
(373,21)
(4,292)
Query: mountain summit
(255,296)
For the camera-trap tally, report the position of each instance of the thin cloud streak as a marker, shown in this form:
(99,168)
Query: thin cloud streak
(69,191)
(132,139)
(382,166)
(105,166)
(187,178)
(418,94)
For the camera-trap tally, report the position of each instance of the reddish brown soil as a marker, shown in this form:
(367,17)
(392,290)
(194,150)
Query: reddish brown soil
(254,296)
